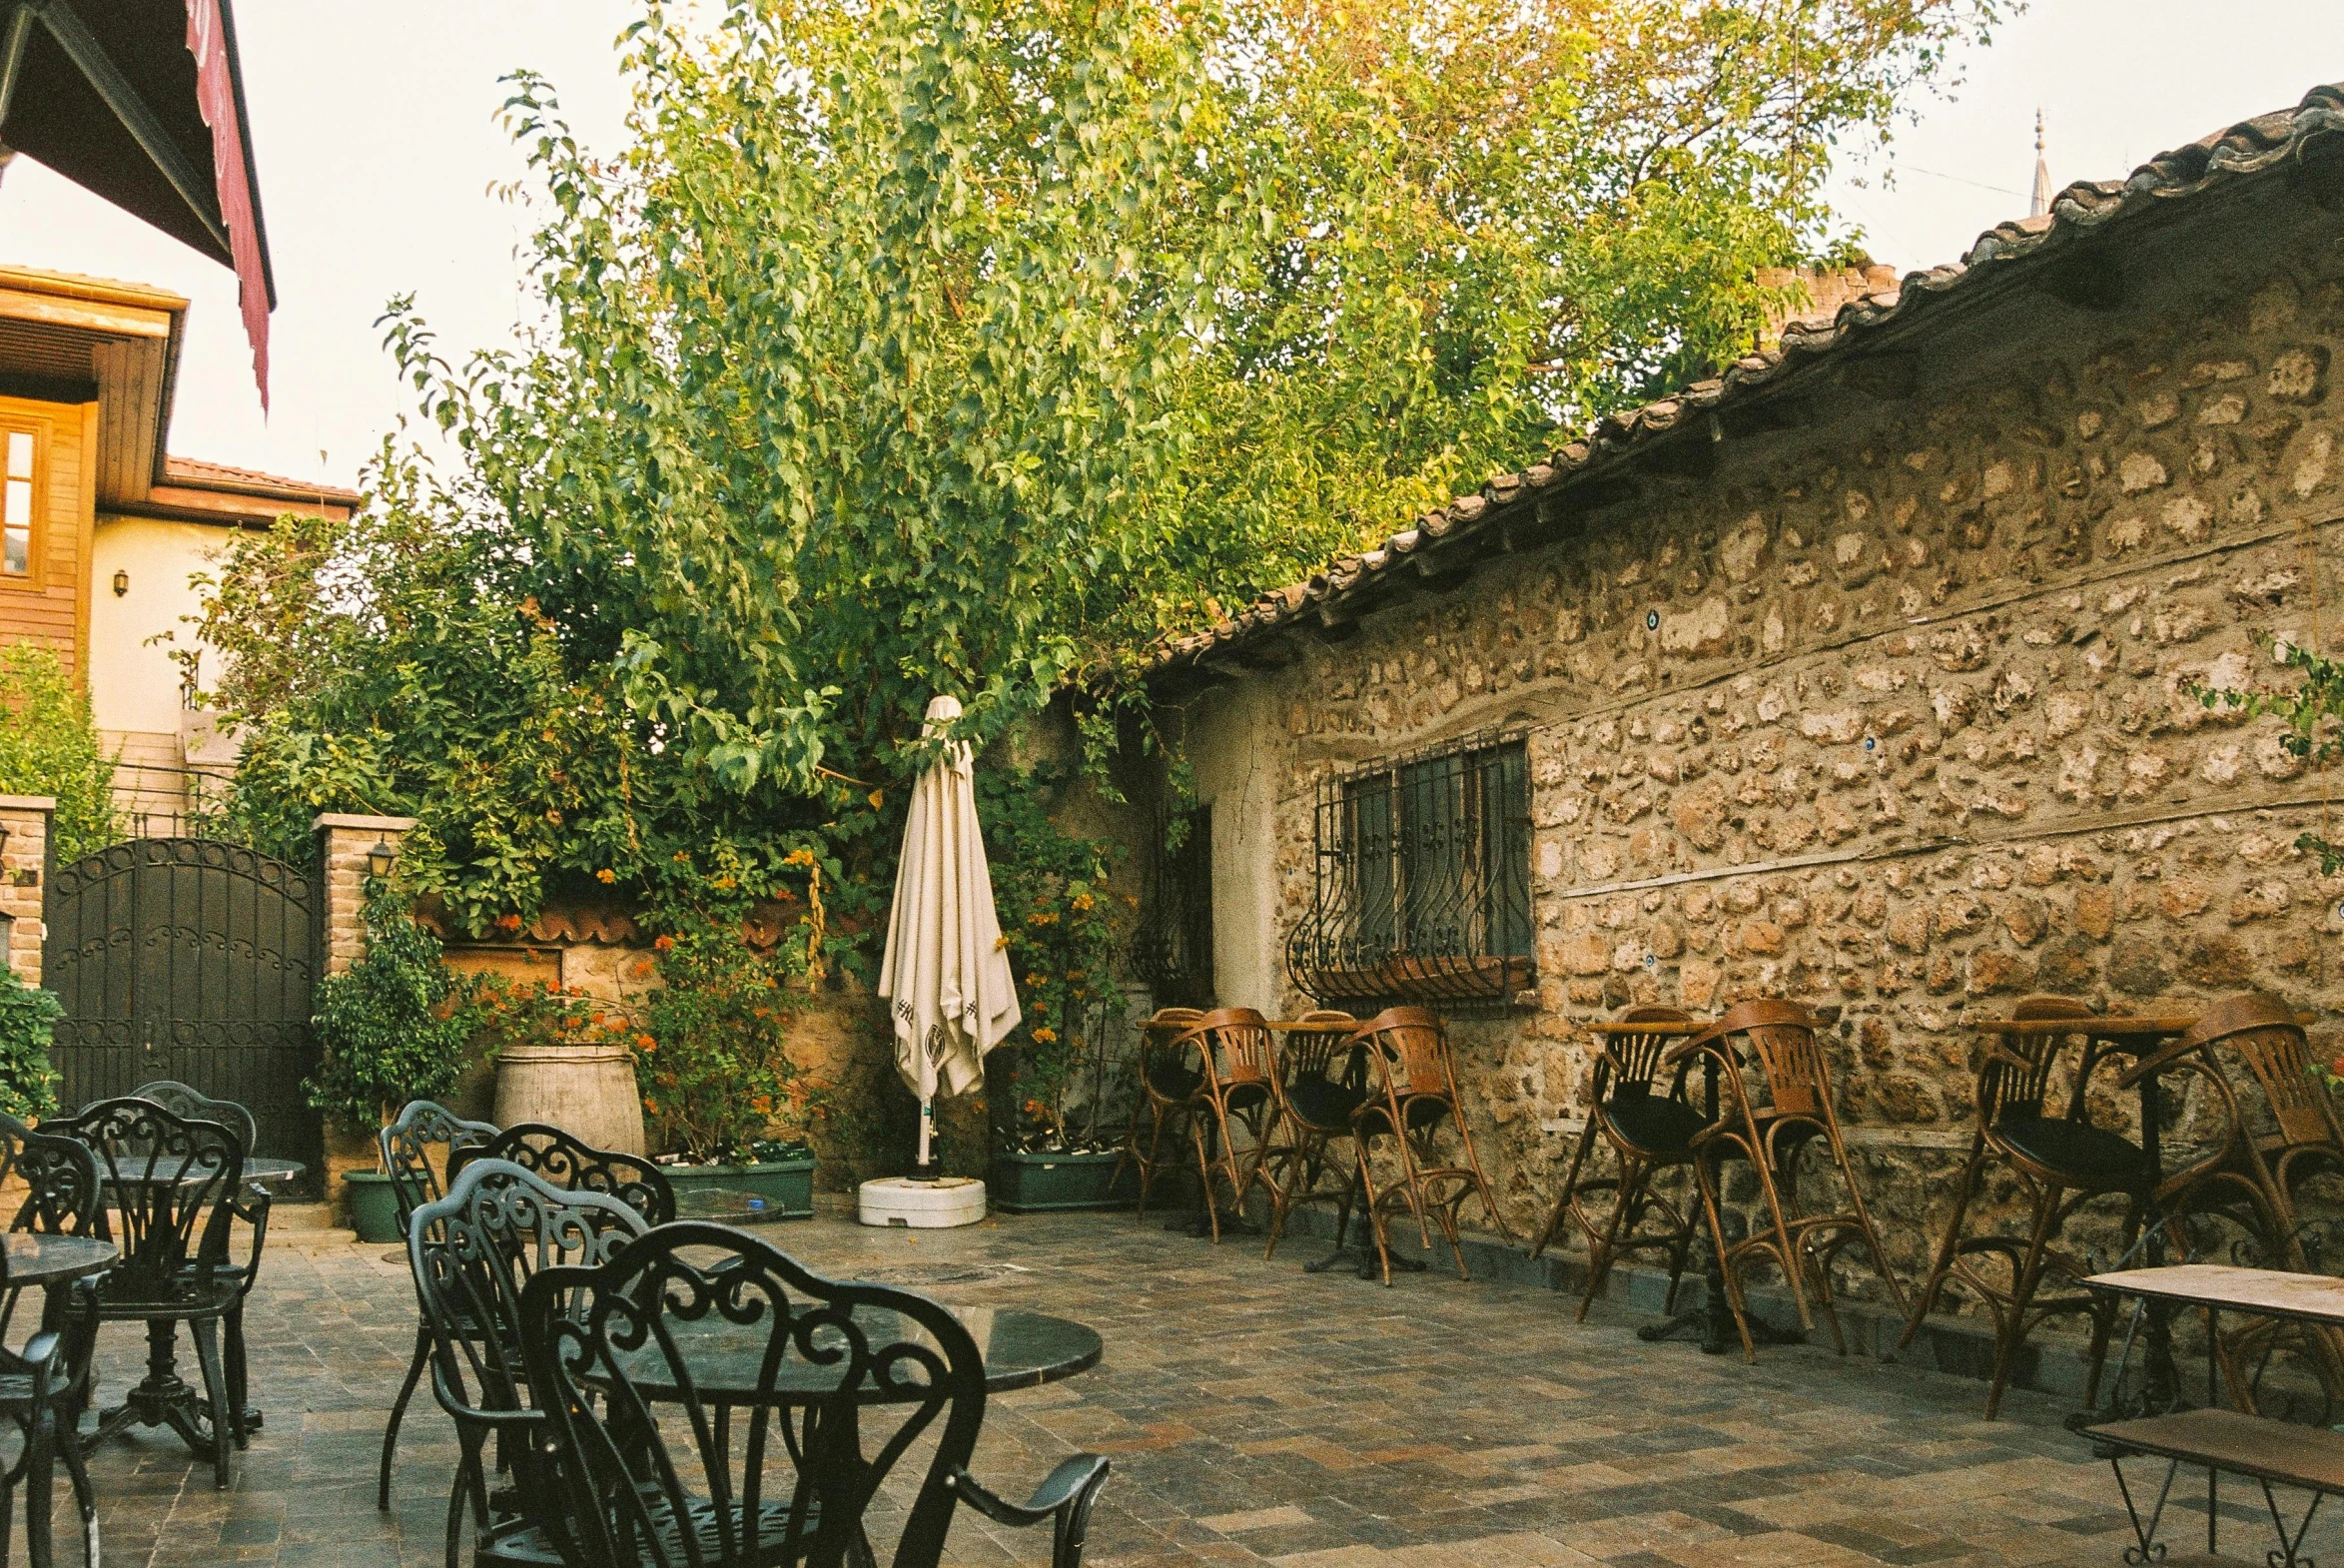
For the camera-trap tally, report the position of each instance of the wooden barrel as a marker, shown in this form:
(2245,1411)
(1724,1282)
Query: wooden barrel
(588,1090)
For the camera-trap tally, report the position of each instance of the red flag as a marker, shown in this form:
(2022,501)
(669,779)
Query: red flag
(207,41)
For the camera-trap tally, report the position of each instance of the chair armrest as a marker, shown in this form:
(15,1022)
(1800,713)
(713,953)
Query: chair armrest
(44,1357)
(1064,1497)
(1710,1041)
(252,1206)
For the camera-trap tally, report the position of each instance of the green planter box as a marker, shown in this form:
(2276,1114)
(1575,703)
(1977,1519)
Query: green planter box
(374,1207)
(1026,1184)
(786,1185)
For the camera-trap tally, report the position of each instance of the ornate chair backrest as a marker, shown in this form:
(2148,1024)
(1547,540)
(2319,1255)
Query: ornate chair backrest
(183,1099)
(60,1175)
(868,1369)
(576,1165)
(1633,1061)
(1307,1053)
(60,1192)
(2262,1032)
(1236,1046)
(161,1225)
(2014,1071)
(1782,1036)
(472,1251)
(1162,1039)
(1411,1051)
(406,1146)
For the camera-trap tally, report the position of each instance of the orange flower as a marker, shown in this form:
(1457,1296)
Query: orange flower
(1044,1037)
(596,1020)
(664,943)
(606,875)
(508,922)
(761,1104)
(650,1104)
(645,1044)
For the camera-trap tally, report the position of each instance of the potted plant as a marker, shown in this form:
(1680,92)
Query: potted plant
(28,1021)
(725,1105)
(390,1028)
(1051,1147)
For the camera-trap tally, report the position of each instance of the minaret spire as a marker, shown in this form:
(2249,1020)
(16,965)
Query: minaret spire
(2040,203)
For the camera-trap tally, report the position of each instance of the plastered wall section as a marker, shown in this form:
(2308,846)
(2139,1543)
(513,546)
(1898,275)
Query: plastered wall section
(1895,715)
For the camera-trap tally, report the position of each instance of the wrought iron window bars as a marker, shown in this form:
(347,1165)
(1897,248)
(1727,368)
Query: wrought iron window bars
(1422,880)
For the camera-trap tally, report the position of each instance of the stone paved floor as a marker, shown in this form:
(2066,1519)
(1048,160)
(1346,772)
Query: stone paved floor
(1254,1413)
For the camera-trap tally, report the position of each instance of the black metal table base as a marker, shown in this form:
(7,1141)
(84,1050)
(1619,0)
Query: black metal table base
(1368,1266)
(1714,1317)
(164,1398)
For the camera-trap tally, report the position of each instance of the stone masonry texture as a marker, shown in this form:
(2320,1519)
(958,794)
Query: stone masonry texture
(1889,707)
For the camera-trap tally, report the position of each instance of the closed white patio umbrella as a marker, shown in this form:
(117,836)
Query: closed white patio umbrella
(945,976)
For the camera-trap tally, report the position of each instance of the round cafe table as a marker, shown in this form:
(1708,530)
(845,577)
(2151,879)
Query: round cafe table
(1022,1349)
(163,1397)
(48,1260)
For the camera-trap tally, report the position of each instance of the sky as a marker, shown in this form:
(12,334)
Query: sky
(379,149)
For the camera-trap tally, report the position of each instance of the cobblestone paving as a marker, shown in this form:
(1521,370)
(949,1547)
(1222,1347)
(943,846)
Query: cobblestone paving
(1254,1412)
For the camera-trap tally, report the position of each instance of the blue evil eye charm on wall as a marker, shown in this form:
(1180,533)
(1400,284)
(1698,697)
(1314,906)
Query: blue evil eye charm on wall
(1652,621)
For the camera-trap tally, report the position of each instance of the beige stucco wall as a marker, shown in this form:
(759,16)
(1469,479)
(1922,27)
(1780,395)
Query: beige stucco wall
(1911,733)
(134,686)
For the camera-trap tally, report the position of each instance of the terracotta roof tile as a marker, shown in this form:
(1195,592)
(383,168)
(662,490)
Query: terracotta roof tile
(2249,147)
(196,472)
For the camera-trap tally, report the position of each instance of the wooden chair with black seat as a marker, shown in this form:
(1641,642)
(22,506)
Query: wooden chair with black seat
(1315,1100)
(1796,1116)
(1642,1114)
(1236,1059)
(2033,1119)
(420,1149)
(1168,1090)
(1416,1097)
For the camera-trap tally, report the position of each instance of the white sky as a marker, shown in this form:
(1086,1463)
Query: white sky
(376,146)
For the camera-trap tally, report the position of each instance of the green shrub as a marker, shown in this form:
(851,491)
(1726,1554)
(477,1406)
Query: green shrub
(712,1061)
(394,1025)
(28,1019)
(48,746)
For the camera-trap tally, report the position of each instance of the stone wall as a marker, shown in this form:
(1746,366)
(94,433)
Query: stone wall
(24,876)
(1889,709)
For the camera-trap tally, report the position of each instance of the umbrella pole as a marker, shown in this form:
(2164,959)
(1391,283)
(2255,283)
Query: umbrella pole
(925,1170)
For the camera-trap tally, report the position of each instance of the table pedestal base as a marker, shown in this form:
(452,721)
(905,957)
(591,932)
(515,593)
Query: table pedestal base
(164,1398)
(1715,1316)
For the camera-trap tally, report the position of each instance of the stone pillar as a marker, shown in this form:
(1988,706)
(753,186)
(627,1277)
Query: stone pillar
(24,879)
(344,843)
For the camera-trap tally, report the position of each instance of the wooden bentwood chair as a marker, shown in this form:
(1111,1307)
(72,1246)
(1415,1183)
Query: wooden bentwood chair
(1167,1096)
(2298,1138)
(423,1131)
(1416,1095)
(1796,1115)
(1313,1107)
(1649,1127)
(1236,1066)
(2063,1161)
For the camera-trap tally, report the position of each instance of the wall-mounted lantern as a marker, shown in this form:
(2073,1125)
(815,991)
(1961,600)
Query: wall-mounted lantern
(381,858)
(121,582)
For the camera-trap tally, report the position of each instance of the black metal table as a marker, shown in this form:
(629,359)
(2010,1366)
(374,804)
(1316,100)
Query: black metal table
(163,1397)
(1022,1349)
(50,1260)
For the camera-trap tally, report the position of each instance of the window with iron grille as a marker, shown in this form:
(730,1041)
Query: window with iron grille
(1171,952)
(1422,881)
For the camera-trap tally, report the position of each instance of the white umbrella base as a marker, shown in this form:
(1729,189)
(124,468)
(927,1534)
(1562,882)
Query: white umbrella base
(921,1205)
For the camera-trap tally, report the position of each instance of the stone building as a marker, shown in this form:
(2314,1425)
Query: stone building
(1861,673)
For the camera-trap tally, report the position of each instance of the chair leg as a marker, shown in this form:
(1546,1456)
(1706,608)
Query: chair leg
(407,1391)
(1602,1250)
(1374,1207)
(236,1371)
(2104,1312)
(1148,1166)
(85,1495)
(40,1461)
(1562,1209)
(1205,1176)
(1949,1244)
(1705,1179)
(1762,1157)
(204,1331)
(1864,1224)
(2023,1283)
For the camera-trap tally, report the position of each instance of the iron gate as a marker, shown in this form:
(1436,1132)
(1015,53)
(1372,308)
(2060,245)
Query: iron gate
(188,959)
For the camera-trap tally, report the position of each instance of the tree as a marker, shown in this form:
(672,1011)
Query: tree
(48,746)
(971,346)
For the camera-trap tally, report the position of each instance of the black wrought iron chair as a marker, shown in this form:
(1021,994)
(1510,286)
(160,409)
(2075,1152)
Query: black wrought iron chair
(184,1100)
(44,1386)
(174,1234)
(1643,1116)
(571,1163)
(851,1374)
(470,1253)
(408,1147)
